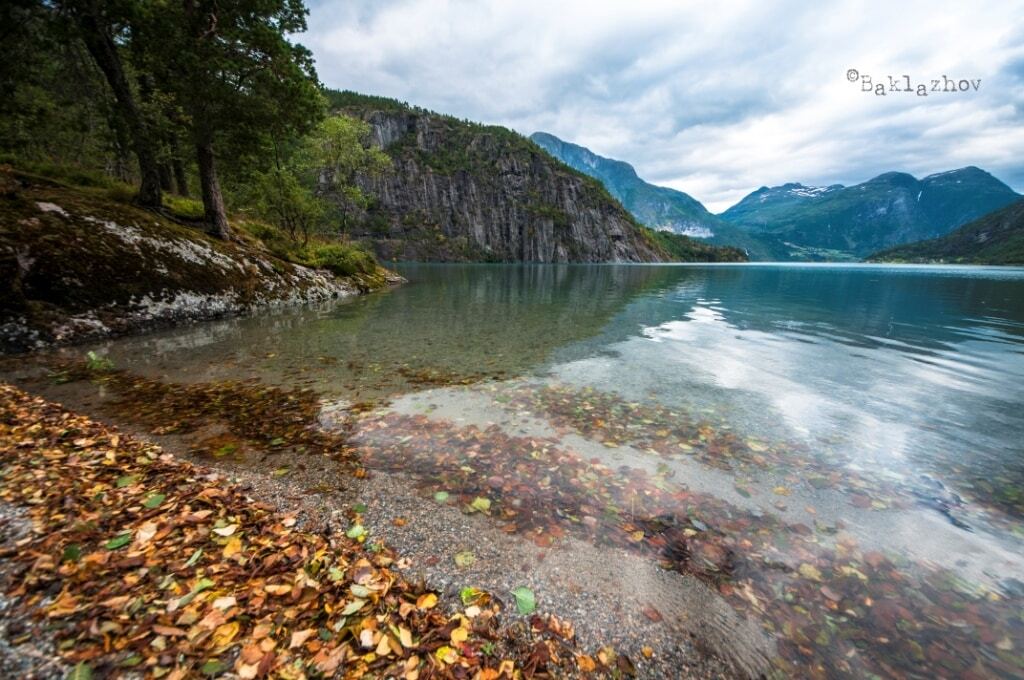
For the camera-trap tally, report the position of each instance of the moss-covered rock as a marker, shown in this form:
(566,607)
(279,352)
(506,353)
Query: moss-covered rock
(75,265)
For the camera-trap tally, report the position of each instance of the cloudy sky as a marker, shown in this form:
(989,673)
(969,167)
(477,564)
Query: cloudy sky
(715,99)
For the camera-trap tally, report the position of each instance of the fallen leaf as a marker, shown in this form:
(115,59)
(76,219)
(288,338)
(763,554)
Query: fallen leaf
(525,601)
(299,637)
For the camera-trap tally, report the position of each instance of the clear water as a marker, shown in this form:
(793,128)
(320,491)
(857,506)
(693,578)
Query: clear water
(880,407)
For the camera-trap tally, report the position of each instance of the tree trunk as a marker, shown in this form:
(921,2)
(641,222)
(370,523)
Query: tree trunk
(100,43)
(180,179)
(165,177)
(213,200)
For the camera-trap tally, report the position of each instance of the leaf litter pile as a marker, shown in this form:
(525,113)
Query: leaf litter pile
(836,610)
(144,565)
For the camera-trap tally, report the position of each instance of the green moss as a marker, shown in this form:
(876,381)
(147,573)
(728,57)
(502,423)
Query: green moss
(184,208)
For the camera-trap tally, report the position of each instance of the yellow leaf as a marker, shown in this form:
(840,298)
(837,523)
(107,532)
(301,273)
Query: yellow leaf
(427,601)
(459,635)
(277,589)
(225,634)
(226,531)
(233,546)
(781,491)
(405,636)
(446,654)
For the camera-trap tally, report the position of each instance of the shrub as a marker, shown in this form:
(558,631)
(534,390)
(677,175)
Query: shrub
(342,259)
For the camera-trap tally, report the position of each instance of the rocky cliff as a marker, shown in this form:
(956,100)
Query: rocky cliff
(461,191)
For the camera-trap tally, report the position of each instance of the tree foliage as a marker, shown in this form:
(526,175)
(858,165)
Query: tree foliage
(315,187)
(183,87)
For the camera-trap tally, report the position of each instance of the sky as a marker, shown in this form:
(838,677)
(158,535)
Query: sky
(715,99)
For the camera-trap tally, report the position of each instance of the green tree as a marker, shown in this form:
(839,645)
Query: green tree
(319,173)
(236,75)
(337,152)
(282,198)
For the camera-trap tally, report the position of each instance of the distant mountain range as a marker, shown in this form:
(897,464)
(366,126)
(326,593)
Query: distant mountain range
(798,222)
(996,238)
(835,222)
(658,207)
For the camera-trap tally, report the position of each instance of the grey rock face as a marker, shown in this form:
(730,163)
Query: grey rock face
(461,191)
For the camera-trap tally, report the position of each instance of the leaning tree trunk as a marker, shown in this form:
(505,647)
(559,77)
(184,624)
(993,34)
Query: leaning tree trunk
(100,43)
(213,200)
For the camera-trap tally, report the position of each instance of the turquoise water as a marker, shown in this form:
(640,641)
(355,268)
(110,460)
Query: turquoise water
(844,444)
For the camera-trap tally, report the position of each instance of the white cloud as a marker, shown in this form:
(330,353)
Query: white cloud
(716,98)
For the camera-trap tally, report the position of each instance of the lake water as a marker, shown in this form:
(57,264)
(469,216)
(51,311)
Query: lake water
(837,450)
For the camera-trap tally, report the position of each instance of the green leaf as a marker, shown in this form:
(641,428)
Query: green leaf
(126,480)
(213,667)
(81,671)
(464,558)
(526,603)
(203,584)
(277,441)
(71,553)
(441,496)
(469,595)
(359,507)
(195,557)
(154,500)
(481,504)
(119,541)
(355,531)
(280,472)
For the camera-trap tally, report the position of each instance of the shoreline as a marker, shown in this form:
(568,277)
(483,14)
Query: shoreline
(73,590)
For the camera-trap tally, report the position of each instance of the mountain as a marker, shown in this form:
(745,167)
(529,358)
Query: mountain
(659,207)
(839,222)
(462,191)
(771,203)
(996,238)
